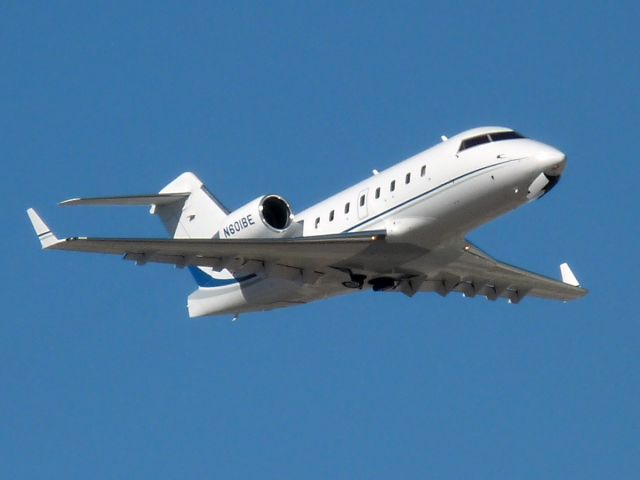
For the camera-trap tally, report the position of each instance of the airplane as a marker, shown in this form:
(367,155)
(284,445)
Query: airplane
(400,230)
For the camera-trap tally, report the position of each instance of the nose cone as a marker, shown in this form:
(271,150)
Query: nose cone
(551,161)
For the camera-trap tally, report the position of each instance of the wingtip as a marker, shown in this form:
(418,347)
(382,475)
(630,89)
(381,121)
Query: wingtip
(44,233)
(69,202)
(567,275)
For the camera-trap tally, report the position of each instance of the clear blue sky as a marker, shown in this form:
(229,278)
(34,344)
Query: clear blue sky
(102,375)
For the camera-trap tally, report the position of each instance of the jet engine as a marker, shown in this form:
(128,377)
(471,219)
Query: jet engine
(269,216)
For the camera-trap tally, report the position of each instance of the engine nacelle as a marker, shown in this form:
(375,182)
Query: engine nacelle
(269,216)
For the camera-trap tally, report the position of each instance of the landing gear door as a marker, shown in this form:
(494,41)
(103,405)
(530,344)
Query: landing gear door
(362,203)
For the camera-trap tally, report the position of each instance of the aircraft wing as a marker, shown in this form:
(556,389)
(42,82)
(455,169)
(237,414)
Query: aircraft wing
(461,268)
(234,255)
(472,272)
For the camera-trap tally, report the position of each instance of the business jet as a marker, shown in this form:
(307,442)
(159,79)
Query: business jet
(401,230)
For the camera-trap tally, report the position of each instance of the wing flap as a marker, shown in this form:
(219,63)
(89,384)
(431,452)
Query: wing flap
(305,251)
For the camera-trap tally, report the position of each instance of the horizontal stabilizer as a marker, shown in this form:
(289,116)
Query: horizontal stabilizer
(135,200)
(45,235)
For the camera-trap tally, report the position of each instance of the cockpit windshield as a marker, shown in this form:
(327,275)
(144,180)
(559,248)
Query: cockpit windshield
(497,136)
(487,138)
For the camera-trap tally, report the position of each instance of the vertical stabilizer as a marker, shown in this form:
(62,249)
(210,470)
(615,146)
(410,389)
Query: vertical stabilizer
(197,216)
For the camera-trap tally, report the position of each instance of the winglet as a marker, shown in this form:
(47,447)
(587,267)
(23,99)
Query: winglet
(46,236)
(567,275)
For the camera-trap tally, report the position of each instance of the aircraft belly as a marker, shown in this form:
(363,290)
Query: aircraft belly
(259,294)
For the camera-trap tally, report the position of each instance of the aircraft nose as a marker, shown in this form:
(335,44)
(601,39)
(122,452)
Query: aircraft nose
(551,160)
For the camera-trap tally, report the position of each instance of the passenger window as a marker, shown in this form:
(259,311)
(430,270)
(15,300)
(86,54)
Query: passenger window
(378,192)
(317,221)
(392,187)
(331,215)
(346,207)
(407,179)
(362,200)
(423,170)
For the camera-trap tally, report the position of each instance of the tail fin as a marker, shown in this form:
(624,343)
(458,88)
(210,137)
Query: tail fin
(197,216)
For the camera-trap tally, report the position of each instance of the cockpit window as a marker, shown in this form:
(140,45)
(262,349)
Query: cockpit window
(496,137)
(474,142)
(486,138)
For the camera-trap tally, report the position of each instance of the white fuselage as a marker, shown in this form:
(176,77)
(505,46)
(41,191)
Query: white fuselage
(436,196)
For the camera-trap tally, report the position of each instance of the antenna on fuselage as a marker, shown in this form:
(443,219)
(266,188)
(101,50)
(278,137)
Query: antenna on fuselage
(444,138)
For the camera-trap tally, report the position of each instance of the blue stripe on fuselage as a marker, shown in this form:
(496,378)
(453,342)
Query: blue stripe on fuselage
(203,279)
